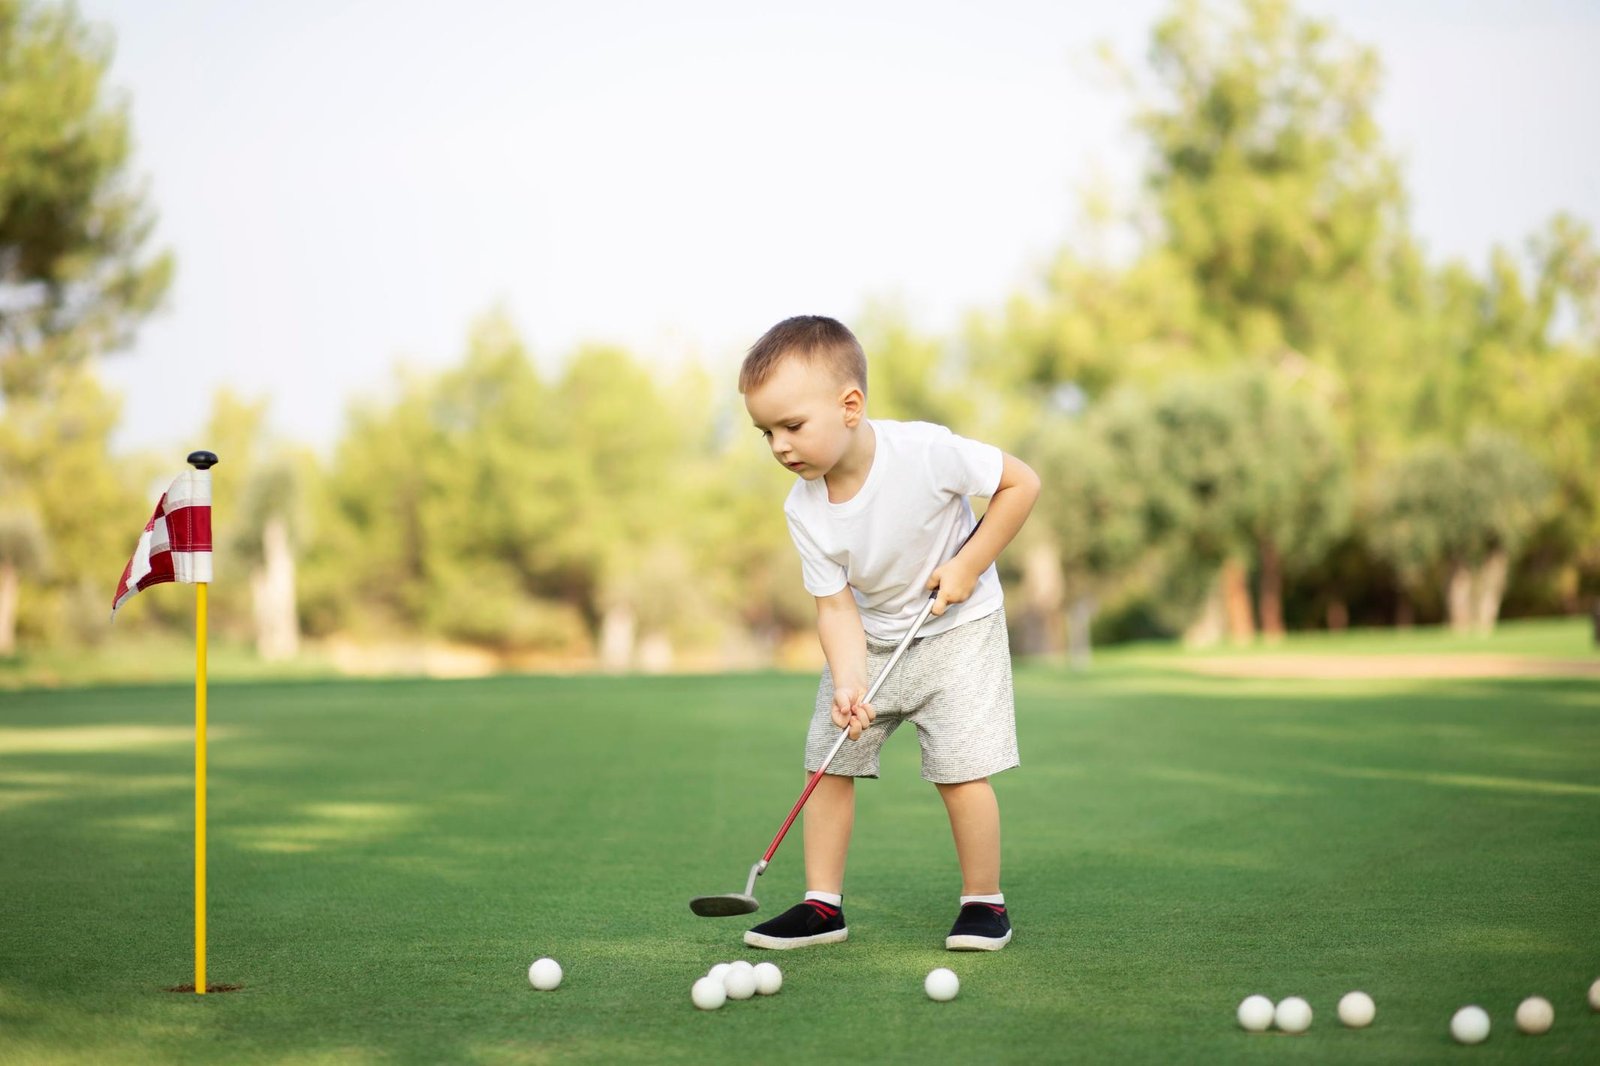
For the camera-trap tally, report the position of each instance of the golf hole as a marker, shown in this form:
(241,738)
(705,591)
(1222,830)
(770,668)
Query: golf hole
(209,988)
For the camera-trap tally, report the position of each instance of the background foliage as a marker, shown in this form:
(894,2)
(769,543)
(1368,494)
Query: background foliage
(1269,410)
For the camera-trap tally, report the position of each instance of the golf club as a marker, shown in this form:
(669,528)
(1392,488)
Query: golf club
(733,903)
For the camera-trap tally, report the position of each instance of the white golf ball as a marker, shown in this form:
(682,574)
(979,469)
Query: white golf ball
(768,978)
(941,985)
(717,971)
(740,965)
(708,993)
(1357,1010)
(1535,1015)
(1293,1015)
(741,984)
(1594,995)
(544,974)
(1470,1025)
(1255,1014)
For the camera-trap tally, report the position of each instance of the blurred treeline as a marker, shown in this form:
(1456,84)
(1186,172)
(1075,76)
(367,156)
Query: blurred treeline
(1256,404)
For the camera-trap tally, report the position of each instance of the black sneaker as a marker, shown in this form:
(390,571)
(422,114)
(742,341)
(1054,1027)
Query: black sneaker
(979,927)
(807,923)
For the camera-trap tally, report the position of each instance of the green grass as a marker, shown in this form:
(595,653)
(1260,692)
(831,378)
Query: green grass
(151,657)
(139,658)
(1546,638)
(388,857)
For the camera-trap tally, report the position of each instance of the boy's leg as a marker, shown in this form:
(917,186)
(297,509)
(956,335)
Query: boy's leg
(829,817)
(975,823)
(983,924)
(966,722)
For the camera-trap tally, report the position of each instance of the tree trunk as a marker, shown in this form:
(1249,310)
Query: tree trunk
(1041,627)
(273,595)
(655,653)
(1082,617)
(1269,591)
(1458,599)
(10,593)
(1488,589)
(1208,626)
(1405,613)
(1236,601)
(1338,615)
(618,627)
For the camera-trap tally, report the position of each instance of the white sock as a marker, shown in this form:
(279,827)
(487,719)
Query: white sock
(998,899)
(832,899)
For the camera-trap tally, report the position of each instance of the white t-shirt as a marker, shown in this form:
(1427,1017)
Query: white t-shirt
(909,517)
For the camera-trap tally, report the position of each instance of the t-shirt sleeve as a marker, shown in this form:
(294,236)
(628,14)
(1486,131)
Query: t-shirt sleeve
(822,576)
(965,467)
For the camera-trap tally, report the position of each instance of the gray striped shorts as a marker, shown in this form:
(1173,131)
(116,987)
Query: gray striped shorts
(955,687)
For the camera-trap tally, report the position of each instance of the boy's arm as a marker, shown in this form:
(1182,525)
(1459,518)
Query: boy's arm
(844,644)
(1008,509)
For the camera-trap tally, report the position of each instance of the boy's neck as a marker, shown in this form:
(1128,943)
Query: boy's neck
(850,472)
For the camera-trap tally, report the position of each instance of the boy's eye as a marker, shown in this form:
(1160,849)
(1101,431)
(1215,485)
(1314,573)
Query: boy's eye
(794,427)
(766,434)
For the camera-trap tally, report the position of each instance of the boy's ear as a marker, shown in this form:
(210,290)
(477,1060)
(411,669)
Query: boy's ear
(854,403)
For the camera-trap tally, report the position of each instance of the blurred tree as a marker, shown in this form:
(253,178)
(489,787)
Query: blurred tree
(1198,486)
(746,555)
(1268,167)
(273,525)
(365,569)
(1090,327)
(441,508)
(487,506)
(501,480)
(1273,234)
(1519,350)
(1092,524)
(913,377)
(628,505)
(55,460)
(259,521)
(74,277)
(1455,518)
(744,597)
(1206,478)
(23,548)
(1296,500)
(75,280)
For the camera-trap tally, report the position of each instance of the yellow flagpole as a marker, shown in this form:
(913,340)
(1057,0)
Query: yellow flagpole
(200,791)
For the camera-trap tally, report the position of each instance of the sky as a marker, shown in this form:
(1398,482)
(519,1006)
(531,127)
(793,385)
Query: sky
(346,185)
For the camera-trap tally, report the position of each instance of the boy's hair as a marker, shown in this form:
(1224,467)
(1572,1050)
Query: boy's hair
(812,338)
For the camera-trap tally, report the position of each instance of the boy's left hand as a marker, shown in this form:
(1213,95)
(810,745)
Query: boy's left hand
(955,583)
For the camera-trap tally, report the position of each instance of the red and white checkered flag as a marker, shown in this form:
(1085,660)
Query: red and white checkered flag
(176,543)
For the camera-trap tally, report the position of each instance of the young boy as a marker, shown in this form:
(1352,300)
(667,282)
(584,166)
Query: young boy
(877,515)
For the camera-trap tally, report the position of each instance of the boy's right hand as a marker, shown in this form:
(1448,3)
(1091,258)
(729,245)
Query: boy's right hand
(848,710)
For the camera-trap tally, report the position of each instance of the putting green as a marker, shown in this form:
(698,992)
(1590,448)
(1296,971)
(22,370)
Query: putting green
(388,857)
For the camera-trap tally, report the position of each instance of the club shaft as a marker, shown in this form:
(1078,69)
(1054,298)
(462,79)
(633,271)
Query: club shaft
(794,812)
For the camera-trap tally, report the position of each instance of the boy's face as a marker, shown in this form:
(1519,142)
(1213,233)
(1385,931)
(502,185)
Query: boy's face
(805,416)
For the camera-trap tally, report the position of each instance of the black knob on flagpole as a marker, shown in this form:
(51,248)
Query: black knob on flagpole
(203,460)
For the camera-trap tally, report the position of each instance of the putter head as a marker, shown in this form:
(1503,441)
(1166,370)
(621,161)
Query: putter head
(725,906)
